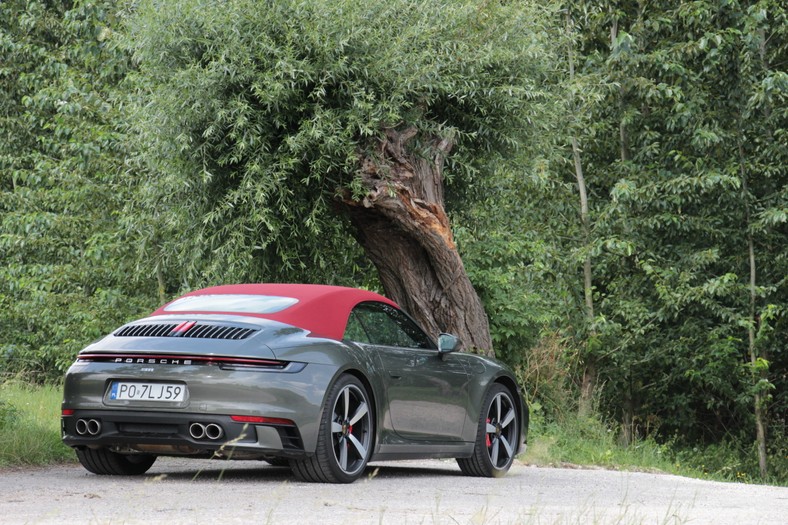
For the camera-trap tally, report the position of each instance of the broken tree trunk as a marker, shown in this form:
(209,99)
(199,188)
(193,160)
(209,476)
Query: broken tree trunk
(401,223)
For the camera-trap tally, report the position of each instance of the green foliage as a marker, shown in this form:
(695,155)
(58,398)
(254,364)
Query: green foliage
(681,123)
(735,459)
(8,414)
(685,156)
(570,440)
(547,379)
(589,442)
(517,241)
(150,147)
(261,114)
(63,254)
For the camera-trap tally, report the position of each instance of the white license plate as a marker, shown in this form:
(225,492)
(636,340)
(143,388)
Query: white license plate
(126,391)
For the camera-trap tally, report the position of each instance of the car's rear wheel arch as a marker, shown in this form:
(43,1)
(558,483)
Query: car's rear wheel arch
(358,374)
(498,433)
(346,434)
(514,390)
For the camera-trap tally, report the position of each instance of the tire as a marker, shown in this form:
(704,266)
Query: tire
(277,462)
(105,462)
(496,438)
(345,436)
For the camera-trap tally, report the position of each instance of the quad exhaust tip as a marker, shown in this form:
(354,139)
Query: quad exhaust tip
(88,427)
(210,431)
(213,431)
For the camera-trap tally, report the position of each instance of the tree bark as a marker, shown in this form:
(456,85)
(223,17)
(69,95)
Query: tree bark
(590,368)
(589,359)
(402,225)
(760,417)
(160,283)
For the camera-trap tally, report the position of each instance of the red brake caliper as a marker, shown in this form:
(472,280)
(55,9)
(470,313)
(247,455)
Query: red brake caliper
(489,442)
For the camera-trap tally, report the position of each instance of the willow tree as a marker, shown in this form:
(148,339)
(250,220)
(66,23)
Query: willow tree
(287,120)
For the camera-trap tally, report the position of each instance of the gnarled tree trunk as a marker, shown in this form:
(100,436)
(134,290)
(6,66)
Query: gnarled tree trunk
(402,225)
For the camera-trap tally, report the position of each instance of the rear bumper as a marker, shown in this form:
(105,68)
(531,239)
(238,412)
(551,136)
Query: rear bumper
(168,433)
(213,394)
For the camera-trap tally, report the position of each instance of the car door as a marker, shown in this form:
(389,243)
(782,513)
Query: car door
(427,395)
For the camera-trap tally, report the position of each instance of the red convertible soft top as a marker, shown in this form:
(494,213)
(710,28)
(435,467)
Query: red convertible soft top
(321,309)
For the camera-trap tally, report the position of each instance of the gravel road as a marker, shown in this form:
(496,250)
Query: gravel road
(403,493)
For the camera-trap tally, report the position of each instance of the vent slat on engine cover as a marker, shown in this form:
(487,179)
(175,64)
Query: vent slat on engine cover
(197,331)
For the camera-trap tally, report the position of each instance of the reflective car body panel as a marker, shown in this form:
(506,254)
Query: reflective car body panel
(224,384)
(427,397)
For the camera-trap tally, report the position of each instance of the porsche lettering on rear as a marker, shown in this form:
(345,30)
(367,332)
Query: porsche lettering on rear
(152,361)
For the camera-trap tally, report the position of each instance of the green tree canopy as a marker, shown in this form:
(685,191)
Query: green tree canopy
(263,120)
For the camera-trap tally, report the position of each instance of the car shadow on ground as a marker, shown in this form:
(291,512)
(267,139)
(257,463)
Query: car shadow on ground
(261,472)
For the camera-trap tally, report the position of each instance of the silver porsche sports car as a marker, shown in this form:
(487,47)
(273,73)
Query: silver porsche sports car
(321,378)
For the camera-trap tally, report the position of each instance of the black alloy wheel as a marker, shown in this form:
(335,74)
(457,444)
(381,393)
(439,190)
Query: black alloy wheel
(344,442)
(496,438)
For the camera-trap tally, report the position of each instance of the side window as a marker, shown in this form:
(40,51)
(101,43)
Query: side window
(354,331)
(388,326)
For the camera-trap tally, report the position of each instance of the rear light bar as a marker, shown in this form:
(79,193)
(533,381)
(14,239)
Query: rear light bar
(261,420)
(244,363)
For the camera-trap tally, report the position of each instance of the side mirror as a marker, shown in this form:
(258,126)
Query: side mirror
(447,343)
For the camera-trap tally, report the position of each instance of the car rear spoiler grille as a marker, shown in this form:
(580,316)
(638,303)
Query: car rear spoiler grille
(187,329)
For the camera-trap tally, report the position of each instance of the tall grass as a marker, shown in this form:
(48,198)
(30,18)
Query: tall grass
(589,442)
(30,425)
(559,436)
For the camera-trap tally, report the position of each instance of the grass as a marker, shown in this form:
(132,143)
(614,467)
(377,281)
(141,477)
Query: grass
(589,443)
(30,425)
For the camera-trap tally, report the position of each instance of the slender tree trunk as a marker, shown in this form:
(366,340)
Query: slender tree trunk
(628,421)
(589,362)
(628,403)
(403,227)
(760,416)
(622,128)
(590,368)
(160,283)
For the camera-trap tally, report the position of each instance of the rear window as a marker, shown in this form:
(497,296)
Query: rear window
(246,304)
